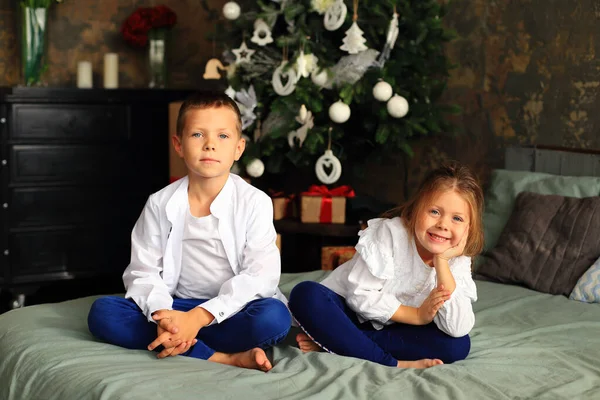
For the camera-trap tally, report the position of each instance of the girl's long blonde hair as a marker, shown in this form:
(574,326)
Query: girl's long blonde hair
(450,176)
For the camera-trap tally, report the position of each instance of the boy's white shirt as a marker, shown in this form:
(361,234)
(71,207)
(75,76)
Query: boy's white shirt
(246,229)
(387,272)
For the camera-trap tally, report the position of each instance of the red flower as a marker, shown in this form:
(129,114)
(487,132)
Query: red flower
(135,28)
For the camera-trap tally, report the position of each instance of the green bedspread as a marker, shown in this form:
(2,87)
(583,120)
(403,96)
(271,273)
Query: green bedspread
(525,345)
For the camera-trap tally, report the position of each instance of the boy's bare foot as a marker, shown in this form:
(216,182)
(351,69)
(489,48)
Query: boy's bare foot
(424,363)
(306,344)
(252,359)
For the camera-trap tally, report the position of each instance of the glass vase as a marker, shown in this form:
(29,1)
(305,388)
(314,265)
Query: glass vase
(157,57)
(33,44)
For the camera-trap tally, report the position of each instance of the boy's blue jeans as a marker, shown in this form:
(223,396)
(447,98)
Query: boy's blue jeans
(261,323)
(326,317)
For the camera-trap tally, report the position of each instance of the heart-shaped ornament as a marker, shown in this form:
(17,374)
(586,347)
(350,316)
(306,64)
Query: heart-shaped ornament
(328,168)
(279,77)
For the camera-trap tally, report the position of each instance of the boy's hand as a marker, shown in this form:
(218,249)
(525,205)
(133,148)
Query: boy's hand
(186,325)
(432,304)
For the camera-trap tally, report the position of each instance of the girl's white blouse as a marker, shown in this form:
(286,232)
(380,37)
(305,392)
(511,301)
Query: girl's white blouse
(387,272)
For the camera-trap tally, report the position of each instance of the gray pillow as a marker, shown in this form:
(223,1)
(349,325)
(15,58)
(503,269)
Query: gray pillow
(505,185)
(548,242)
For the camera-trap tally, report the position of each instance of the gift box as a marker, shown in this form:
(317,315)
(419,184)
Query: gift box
(326,206)
(283,206)
(334,256)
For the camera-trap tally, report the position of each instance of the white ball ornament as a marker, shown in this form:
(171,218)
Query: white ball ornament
(339,112)
(382,91)
(255,168)
(397,106)
(231,10)
(319,78)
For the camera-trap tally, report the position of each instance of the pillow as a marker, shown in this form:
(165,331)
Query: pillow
(587,288)
(506,185)
(547,244)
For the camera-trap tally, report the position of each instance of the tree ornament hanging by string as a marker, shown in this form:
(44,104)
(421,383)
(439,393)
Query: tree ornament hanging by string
(339,112)
(397,106)
(319,78)
(354,42)
(231,10)
(392,35)
(243,53)
(328,161)
(301,66)
(255,168)
(335,15)
(306,119)
(211,71)
(279,75)
(262,33)
(382,91)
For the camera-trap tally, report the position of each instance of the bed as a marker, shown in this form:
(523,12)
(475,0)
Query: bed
(526,344)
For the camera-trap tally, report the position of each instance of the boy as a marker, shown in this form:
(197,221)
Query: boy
(204,268)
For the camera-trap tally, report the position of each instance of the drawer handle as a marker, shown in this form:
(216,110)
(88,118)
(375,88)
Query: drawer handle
(2,120)
(5,205)
(6,252)
(4,162)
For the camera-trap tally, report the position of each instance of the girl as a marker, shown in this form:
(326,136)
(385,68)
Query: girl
(405,297)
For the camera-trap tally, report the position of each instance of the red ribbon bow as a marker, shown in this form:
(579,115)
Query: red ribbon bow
(326,195)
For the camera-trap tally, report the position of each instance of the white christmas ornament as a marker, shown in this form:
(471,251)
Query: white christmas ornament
(319,78)
(390,41)
(397,106)
(339,112)
(328,160)
(255,168)
(243,53)
(306,119)
(335,15)
(231,10)
(279,74)
(302,66)
(262,33)
(382,91)
(354,42)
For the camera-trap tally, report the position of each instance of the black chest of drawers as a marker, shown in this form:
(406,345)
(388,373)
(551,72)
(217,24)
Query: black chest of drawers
(76,169)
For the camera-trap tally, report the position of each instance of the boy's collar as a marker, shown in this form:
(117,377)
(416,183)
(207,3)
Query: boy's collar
(220,205)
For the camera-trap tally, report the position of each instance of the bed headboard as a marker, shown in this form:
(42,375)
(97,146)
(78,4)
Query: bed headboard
(553,160)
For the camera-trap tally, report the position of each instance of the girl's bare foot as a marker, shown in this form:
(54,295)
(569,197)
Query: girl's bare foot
(252,359)
(424,363)
(306,344)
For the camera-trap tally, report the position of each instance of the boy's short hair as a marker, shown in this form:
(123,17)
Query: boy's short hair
(203,100)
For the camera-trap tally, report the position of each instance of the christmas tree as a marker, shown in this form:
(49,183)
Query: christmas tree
(360,77)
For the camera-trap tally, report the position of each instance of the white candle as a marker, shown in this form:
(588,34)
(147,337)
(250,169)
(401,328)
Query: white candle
(111,70)
(84,75)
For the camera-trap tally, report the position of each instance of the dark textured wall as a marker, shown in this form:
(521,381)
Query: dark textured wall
(528,72)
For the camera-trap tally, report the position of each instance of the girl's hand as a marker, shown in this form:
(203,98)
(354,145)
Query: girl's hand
(432,304)
(455,251)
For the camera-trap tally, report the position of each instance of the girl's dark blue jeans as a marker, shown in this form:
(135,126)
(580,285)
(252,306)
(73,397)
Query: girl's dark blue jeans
(261,323)
(325,317)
